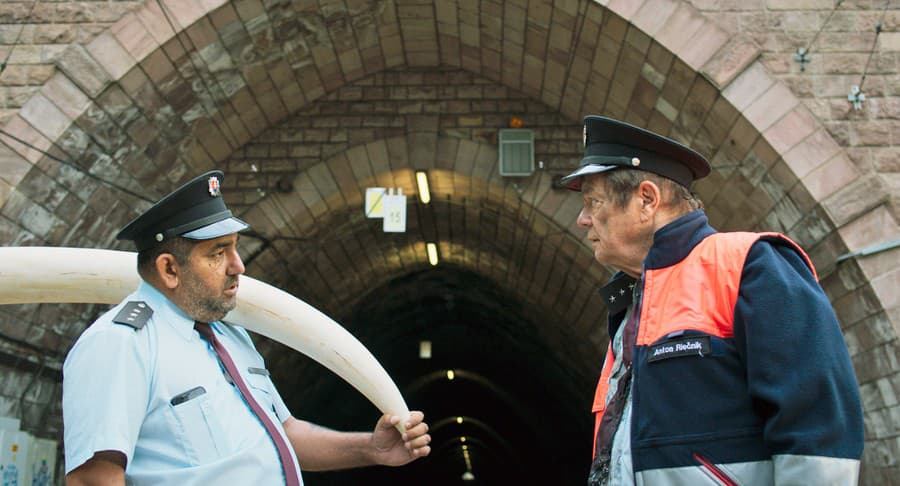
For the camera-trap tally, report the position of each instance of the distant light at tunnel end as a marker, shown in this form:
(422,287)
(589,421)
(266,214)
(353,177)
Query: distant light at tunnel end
(425,349)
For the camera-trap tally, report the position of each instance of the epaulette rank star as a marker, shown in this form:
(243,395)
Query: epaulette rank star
(134,314)
(617,294)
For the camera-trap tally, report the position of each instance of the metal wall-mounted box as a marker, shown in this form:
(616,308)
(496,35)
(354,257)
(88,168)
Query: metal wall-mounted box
(516,152)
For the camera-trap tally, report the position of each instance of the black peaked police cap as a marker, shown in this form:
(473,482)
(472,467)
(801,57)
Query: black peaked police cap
(195,210)
(611,144)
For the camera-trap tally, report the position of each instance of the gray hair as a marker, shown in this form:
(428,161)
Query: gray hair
(621,183)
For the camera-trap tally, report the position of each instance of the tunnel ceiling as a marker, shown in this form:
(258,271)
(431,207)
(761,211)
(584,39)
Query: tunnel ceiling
(306,104)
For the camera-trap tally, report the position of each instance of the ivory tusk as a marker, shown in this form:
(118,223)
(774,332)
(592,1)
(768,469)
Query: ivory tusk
(92,276)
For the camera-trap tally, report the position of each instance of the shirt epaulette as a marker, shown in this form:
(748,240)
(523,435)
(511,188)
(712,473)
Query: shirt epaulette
(134,314)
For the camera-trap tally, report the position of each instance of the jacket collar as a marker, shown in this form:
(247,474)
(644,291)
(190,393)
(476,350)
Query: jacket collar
(671,244)
(674,241)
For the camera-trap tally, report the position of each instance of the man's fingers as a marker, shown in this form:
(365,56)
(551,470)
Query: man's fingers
(388,421)
(420,452)
(417,431)
(415,417)
(418,442)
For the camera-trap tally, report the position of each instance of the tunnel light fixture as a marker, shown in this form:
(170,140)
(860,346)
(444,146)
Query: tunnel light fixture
(425,349)
(450,375)
(422,182)
(459,420)
(463,439)
(468,476)
(431,248)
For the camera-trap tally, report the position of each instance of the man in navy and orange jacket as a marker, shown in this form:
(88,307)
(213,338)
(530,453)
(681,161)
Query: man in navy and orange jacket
(726,363)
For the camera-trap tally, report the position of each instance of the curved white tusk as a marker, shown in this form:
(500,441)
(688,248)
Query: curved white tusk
(81,275)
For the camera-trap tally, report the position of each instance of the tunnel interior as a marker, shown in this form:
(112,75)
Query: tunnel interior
(513,413)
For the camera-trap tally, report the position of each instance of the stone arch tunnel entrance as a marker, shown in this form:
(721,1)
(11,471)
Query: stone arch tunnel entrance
(511,412)
(304,107)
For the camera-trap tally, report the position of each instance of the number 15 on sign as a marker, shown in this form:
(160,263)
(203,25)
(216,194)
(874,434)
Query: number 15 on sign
(394,207)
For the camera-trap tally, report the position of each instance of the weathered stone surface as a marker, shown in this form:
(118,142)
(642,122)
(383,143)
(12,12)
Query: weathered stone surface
(83,69)
(855,199)
(731,60)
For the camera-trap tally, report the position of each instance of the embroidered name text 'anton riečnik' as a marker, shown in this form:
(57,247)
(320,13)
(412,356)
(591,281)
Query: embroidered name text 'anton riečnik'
(688,346)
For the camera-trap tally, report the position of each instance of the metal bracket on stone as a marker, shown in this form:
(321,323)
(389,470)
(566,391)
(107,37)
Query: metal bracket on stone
(802,57)
(857,97)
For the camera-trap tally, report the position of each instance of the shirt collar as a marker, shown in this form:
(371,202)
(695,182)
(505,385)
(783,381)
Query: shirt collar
(165,312)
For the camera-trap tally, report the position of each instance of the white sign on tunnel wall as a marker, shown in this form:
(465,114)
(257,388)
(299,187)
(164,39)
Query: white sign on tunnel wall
(388,204)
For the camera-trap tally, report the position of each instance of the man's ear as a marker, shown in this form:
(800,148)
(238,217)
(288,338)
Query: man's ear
(168,270)
(650,196)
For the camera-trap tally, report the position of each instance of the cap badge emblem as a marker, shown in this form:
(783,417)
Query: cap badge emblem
(214,186)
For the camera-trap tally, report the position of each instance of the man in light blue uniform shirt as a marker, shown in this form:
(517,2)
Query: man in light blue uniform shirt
(147,400)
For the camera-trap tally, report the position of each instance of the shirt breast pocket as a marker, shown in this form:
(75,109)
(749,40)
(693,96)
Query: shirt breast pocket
(261,387)
(197,425)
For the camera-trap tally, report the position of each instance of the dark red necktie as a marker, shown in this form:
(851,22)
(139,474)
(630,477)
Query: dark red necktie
(284,452)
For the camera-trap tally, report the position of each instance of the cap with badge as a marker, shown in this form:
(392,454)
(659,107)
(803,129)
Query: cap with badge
(611,144)
(195,211)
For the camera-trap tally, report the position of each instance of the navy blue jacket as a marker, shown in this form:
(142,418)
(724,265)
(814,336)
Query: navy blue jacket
(774,402)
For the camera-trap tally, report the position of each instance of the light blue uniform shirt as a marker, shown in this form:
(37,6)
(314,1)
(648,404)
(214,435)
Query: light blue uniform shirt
(118,386)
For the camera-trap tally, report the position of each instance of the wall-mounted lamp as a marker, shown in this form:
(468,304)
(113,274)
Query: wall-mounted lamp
(422,182)
(431,248)
(450,374)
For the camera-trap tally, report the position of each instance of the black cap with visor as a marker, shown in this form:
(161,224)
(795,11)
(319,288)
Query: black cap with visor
(612,144)
(195,211)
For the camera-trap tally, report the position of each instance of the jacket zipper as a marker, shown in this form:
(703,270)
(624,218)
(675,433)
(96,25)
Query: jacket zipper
(715,470)
(636,296)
